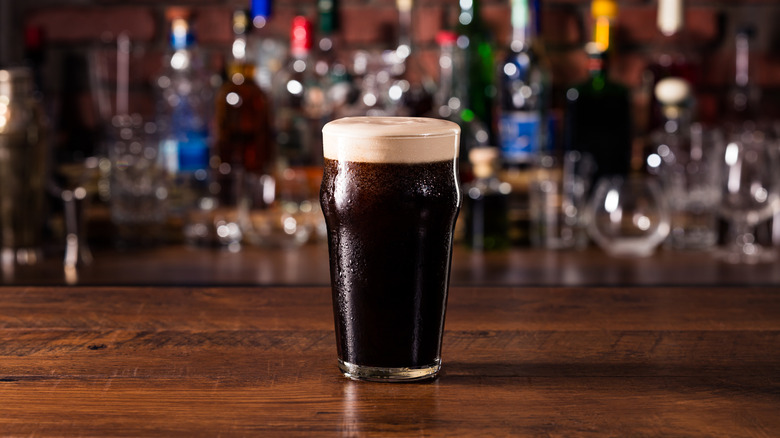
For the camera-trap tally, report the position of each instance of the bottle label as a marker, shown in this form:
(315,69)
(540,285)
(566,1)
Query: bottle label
(520,136)
(186,155)
(194,153)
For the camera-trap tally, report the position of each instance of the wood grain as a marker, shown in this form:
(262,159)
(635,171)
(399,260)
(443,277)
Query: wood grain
(237,361)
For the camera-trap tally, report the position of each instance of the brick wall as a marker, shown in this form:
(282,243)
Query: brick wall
(74,26)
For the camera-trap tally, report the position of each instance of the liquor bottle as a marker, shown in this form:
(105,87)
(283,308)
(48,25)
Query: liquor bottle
(674,96)
(523,90)
(268,49)
(598,112)
(675,58)
(23,170)
(449,102)
(486,203)
(243,131)
(687,159)
(301,105)
(333,72)
(475,43)
(744,96)
(184,111)
(414,88)
(243,119)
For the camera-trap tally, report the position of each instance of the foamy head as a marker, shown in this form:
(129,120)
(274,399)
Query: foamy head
(391,139)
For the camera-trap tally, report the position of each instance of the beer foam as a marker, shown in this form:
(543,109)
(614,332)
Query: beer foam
(391,139)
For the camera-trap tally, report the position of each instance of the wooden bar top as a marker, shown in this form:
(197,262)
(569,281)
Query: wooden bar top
(181,265)
(261,361)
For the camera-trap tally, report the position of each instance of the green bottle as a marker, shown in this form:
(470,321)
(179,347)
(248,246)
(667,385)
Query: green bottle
(598,112)
(476,46)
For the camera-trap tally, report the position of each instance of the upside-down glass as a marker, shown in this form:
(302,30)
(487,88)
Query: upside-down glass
(390,196)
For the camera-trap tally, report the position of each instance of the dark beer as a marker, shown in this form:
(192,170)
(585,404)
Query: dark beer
(390,228)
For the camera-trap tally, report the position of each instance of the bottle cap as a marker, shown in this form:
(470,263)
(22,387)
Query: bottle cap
(260,8)
(604,8)
(404,5)
(446,37)
(483,155)
(672,91)
(670,16)
(301,35)
(240,22)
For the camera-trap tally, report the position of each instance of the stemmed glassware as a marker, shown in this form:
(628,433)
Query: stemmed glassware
(750,194)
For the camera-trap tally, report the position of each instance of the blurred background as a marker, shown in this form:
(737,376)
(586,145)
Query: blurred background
(197,122)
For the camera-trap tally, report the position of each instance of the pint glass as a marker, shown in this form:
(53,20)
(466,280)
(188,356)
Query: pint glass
(390,195)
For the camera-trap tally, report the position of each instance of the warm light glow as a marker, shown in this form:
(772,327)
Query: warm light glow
(601,34)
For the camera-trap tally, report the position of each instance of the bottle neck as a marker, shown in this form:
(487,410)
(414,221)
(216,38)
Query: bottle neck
(523,19)
(327,16)
(300,38)
(745,96)
(671,18)
(404,49)
(469,13)
(485,169)
(677,120)
(445,90)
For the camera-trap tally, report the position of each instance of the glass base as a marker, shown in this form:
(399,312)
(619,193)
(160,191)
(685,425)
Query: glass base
(20,256)
(746,254)
(385,374)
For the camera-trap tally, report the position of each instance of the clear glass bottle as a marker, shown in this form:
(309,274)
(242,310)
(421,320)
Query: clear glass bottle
(523,106)
(185,109)
(744,96)
(336,79)
(268,49)
(414,88)
(301,105)
(449,102)
(686,158)
(486,203)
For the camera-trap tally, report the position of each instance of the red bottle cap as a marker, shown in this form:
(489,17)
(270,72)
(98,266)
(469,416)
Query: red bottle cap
(301,36)
(446,37)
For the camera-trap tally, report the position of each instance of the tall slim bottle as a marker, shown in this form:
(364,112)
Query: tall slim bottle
(184,112)
(268,49)
(744,95)
(243,118)
(675,58)
(523,104)
(598,112)
(474,40)
(334,74)
(414,86)
(450,102)
(301,105)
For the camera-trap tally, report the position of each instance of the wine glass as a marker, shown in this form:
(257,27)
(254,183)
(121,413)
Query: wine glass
(628,216)
(750,194)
